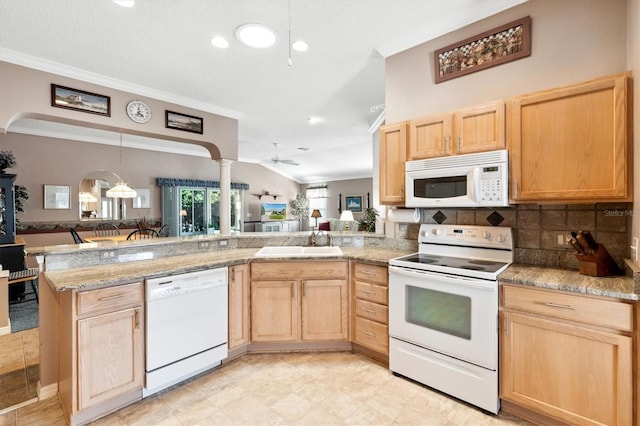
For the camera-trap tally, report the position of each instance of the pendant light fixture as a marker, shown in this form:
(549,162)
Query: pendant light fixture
(121,190)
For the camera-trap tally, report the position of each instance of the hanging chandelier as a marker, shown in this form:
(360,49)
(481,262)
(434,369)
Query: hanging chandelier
(121,189)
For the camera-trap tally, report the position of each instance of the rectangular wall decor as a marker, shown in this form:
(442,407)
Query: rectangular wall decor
(353,203)
(494,47)
(79,100)
(188,123)
(56,197)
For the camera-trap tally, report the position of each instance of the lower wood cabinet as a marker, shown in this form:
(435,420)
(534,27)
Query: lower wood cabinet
(299,301)
(101,350)
(370,316)
(238,306)
(567,357)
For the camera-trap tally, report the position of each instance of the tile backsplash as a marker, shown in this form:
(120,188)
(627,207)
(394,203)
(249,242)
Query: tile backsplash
(536,228)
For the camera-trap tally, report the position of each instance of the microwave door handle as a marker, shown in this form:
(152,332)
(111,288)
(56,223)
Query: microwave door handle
(474,186)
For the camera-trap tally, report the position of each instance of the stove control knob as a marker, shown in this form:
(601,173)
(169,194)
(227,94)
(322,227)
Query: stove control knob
(502,238)
(435,232)
(486,235)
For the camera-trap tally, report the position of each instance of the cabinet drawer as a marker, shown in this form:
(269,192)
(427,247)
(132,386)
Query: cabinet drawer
(372,335)
(372,292)
(582,309)
(372,311)
(299,270)
(372,273)
(109,299)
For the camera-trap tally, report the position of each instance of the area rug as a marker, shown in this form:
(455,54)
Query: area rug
(23,316)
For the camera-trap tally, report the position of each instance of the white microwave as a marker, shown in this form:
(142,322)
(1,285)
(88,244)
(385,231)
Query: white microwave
(469,180)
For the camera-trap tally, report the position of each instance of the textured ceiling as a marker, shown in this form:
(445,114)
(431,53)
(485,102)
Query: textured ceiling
(161,48)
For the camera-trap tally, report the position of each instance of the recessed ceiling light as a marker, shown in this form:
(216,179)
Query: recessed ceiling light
(220,42)
(300,46)
(256,35)
(125,3)
(314,120)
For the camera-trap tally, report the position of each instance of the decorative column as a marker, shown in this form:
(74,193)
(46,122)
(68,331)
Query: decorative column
(225,196)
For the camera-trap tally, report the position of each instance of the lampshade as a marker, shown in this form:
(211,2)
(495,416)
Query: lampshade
(121,190)
(346,215)
(316,213)
(183,212)
(87,197)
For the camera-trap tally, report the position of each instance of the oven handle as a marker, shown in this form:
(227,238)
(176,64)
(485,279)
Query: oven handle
(459,280)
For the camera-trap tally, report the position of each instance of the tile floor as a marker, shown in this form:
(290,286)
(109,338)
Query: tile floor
(19,370)
(338,388)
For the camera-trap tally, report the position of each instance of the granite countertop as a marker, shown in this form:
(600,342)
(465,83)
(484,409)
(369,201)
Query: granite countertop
(572,281)
(125,272)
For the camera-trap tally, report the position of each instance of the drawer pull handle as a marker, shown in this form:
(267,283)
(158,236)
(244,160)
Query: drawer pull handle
(115,296)
(368,272)
(559,305)
(137,318)
(371,311)
(368,291)
(368,333)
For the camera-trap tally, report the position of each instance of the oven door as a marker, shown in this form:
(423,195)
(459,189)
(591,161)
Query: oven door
(449,187)
(452,315)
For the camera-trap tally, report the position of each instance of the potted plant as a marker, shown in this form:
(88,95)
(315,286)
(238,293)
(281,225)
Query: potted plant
(300,208)
(368,221)
(7,160)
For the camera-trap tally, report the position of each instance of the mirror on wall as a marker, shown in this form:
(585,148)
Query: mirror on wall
(93,202)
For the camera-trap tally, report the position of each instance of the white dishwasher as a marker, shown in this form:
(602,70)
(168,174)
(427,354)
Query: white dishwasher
(186,327)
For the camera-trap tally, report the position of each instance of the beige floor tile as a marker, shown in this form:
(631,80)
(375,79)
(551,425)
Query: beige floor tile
(47,412)
(287,389)
(9,419)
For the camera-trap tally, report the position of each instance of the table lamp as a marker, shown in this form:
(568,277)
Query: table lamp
(316,214)
(347,216)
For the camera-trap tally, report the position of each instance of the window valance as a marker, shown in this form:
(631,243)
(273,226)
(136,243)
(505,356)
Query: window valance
(197,183)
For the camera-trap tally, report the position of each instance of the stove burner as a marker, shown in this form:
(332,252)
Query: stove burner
(473,268)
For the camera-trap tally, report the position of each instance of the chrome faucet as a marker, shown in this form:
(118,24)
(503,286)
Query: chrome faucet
(314,236)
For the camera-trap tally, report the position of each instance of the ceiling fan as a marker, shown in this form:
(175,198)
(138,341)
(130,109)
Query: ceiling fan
(277,160)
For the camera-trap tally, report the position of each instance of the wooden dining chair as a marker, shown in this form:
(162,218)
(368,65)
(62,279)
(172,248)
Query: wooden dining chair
(106,230)
(141,234)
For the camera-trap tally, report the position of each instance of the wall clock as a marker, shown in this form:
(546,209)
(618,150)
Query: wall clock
(138,111)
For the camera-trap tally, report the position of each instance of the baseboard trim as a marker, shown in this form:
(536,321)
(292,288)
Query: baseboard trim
(16,406)
(48,391)
(6,329)
(338,345)
(536,418)
(377,356)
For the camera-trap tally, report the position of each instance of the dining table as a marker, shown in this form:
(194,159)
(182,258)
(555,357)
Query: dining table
(100,238)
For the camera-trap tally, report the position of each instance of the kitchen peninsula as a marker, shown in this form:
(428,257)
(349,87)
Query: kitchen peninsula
(84,269)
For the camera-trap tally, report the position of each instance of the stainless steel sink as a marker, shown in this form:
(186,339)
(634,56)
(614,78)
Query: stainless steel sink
(293,251)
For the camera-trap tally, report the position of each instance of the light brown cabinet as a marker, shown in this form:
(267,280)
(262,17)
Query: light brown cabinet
(299,301)
(101,350)
(238,306)
(567,356)
(473,129)
(572,144)
(370,307)
(393,155)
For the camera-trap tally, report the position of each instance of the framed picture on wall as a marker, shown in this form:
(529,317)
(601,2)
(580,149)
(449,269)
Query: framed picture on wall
(56,197)
(353,203)
(79,100)
(179,121)
(142,199)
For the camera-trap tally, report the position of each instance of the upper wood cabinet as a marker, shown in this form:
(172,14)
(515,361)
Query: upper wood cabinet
(473,129)
(393,155)
(479,128)
(572,144)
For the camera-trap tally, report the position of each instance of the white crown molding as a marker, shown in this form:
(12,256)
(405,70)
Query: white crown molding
(377,123)
(40,64)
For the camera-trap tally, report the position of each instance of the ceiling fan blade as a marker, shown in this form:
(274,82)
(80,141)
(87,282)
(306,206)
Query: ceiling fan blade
(285,161)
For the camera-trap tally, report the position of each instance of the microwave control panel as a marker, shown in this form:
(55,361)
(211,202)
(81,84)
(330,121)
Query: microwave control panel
(492,186)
